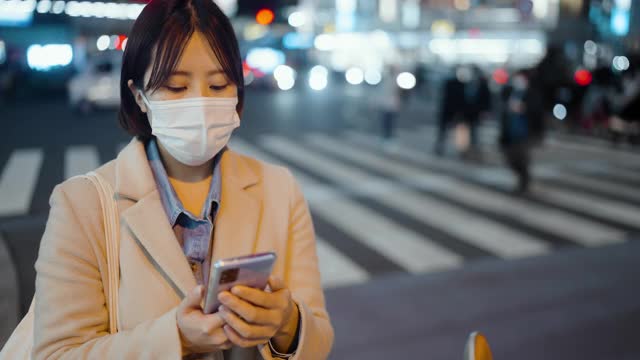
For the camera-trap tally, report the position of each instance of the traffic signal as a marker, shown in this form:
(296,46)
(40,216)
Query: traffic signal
(265,16)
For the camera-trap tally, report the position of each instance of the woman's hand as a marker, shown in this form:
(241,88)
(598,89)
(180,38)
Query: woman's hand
(199,332)
(254,317)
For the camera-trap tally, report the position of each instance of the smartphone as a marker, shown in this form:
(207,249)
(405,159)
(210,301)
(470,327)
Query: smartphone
(250,270)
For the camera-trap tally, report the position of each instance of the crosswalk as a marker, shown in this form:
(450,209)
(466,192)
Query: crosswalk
(381,209)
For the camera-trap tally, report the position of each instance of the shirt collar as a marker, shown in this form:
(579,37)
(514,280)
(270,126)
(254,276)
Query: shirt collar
(170,202)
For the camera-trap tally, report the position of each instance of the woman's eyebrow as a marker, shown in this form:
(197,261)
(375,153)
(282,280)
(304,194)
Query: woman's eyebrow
(188,73)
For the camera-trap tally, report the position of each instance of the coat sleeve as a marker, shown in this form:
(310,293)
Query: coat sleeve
(71,317)
(316,332)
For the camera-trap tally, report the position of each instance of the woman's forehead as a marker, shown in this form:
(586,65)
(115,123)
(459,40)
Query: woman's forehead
(198,56)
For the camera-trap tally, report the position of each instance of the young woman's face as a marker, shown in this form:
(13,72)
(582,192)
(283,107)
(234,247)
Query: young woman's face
(197,74)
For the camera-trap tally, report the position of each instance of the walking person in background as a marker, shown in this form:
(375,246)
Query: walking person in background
(522,124)
(477,101)
(451,107)
(390,103)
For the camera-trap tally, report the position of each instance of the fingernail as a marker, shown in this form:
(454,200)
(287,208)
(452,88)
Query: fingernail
(220,308)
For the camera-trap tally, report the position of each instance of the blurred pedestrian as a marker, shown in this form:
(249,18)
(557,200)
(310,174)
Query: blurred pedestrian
(626,121)
(451,106)
(390,103)
(522,124)
(477,102)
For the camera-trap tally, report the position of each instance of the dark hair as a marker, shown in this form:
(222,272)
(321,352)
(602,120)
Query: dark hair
(163,30)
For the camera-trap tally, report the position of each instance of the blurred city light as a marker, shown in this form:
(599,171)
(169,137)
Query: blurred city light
(620,17)
(318,78)
(590,47)
(443,27)
(560,112)
(501,76)
(388,10)
(324,42)
(411,12)
(44,6)
(255,32)
(354,76)
(462,5)
(103,42)
(3,52)
(620,22)
(345,15)
(583,77)
(297,19)
(265,59)
(113,42)
(285,77)
(265,16)
(621,63)
(372,77)
(296,40)
(58,7)
(44,57)
(406,80)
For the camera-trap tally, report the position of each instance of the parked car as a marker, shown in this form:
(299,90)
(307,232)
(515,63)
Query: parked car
(98,86)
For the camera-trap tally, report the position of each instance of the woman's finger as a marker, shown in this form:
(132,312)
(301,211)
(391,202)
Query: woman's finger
(238,340)
(276,283)
(250,313)
(247,331)
(258,297)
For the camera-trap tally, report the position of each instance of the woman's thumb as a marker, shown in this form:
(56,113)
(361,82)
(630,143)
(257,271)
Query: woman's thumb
(194,297)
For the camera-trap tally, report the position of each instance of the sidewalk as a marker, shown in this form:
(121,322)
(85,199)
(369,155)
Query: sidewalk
(573,304)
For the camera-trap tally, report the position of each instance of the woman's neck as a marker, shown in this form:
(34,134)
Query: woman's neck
(185,173)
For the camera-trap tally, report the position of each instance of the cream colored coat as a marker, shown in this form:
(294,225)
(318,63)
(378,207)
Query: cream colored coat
(262,209)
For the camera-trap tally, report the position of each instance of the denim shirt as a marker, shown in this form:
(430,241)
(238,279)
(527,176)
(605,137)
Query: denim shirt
(193,231)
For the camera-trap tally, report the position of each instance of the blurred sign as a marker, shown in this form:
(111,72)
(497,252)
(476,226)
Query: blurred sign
(16,13)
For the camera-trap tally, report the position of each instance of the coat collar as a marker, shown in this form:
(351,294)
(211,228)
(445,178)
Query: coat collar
(236,223)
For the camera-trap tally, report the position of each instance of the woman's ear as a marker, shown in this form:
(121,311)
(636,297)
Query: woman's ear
(137,96)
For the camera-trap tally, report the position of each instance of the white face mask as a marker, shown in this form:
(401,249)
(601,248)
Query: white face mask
(193,130)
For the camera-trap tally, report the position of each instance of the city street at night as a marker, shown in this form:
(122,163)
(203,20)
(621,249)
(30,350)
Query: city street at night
(468,166)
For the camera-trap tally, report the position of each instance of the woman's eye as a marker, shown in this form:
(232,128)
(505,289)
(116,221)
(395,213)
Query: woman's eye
(175,89)
(219,87)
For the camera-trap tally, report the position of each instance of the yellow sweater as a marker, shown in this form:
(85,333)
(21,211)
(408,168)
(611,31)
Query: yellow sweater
(192,194)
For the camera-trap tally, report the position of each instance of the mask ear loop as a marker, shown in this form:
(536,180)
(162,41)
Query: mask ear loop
(145,100)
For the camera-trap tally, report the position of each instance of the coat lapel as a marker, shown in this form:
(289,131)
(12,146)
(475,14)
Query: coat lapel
(239,214)
(146,219)
(236,225)
(149,226)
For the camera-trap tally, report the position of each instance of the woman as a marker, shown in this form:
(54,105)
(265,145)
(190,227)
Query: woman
(185,200)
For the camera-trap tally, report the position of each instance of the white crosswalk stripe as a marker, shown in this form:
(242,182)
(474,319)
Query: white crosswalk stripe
(583,232)
(409,250)
(337,269)
(18,181)
(408,210)
(612,210)
(482,233)
(80,160)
